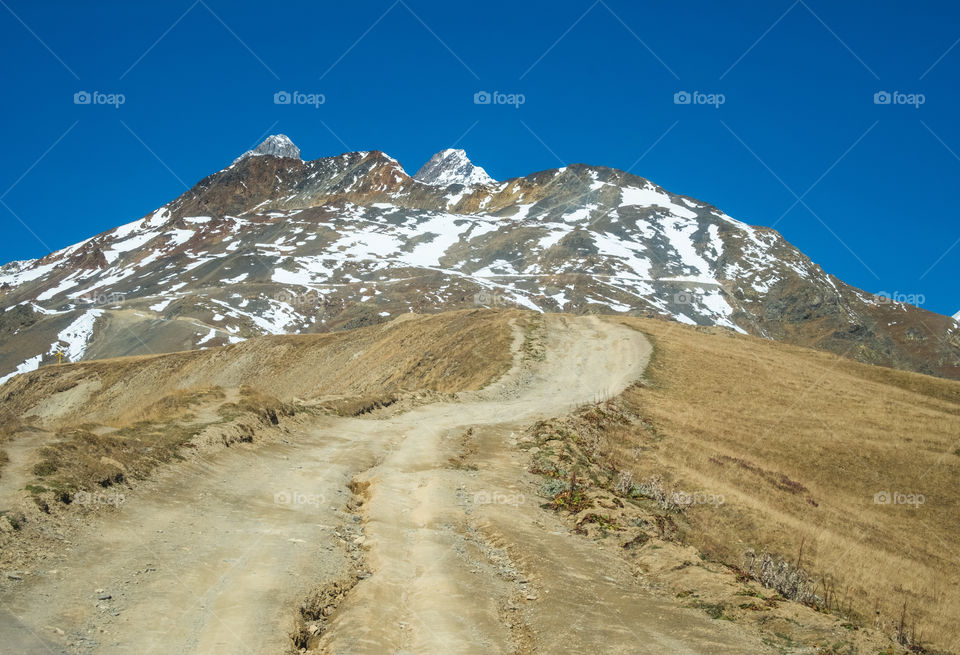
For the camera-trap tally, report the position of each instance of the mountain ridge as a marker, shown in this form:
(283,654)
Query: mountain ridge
(275,244)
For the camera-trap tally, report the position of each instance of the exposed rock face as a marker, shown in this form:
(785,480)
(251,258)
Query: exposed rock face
(452,167)
(278,145)
(274,244)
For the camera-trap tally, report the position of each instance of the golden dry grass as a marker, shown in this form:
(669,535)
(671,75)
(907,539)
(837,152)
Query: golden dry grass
(170,407)
(799,442)
(122,417)
(88,456)
(445,353)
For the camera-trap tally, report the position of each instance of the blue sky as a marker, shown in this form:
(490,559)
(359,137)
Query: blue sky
(865,189)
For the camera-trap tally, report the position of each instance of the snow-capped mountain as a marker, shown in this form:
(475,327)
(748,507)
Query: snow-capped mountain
(452,167)
(273,244)
(278,145)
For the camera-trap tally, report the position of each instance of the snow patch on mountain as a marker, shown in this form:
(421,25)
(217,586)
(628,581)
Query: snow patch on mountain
(650,196)
(681,234)
(208,338)
(31,364)
(17,273)
(77,334)
(66,283)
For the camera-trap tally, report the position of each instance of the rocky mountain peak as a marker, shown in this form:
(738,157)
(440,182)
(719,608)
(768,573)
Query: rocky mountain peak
(452,166)
(278,145)
(276,245)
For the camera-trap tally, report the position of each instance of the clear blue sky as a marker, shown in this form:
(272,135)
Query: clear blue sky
(599,78)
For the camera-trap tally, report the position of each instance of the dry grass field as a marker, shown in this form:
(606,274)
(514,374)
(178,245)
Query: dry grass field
(848,468)
(444,353)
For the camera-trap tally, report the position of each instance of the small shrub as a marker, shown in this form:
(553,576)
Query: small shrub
(44,468)
(605,523)
(624,485)
(787,579)
(713,610)
(552,487)
(654,489)
(637,541)
(16,522)
(574,499)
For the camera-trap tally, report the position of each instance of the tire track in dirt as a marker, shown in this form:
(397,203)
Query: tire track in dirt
(459,563)
(217,557)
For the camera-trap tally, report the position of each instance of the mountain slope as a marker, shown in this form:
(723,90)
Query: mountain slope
(274,244)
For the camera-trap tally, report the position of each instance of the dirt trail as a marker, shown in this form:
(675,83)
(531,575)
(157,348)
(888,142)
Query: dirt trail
(215,557)
(16,472)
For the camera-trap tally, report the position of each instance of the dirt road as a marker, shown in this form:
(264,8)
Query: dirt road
(443,546)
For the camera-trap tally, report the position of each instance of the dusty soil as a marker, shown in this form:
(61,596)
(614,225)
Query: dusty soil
(387,533)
